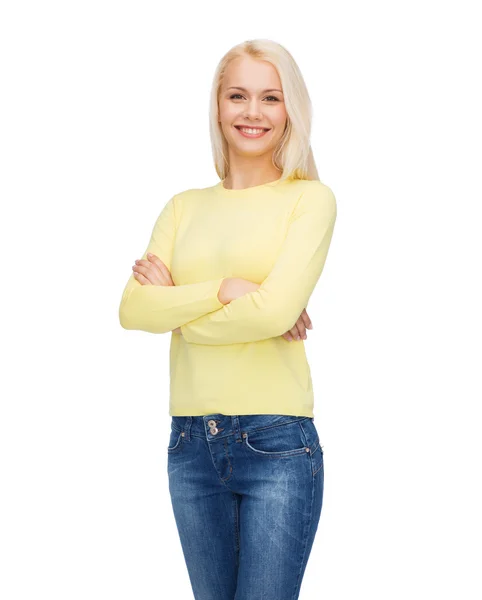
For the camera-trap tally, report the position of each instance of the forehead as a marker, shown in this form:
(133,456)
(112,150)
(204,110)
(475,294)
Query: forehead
(253,75)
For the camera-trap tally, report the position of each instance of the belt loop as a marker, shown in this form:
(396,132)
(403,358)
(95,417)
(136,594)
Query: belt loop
(236,431)
(187,429)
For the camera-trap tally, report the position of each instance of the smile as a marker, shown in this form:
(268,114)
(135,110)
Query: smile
(252,132)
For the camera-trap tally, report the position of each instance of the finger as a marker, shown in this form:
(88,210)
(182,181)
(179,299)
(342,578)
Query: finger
(152,272)
(142,275)
(301,329)
(294,332)
(287,336)
(298,331)
(306,319)
(147,274)
(161,266)
(141,279)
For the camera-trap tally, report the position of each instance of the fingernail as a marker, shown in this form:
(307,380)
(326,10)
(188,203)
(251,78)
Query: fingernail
(149,254)
(310,326)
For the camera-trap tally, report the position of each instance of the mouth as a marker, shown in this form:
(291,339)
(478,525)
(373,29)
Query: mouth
(252,132)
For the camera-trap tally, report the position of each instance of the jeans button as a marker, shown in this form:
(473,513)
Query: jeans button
(214,430)
(212,423)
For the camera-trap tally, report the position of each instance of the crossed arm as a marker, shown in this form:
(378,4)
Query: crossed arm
(268,311)
(154,272)
(161,308)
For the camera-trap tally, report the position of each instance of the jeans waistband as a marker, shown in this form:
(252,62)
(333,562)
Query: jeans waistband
(217,425)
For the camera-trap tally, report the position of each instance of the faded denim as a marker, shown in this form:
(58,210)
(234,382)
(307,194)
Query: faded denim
(246,492)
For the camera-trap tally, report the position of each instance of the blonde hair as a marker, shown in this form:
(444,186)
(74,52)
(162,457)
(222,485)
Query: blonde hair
(293,155)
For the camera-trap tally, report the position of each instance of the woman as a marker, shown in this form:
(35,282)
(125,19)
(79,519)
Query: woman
(229,269)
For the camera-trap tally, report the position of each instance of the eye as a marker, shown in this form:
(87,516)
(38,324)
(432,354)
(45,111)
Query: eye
(273,97)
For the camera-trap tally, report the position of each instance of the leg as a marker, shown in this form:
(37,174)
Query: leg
(206,514)
(279,515)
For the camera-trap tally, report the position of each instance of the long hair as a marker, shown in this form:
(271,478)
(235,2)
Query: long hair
(293,156)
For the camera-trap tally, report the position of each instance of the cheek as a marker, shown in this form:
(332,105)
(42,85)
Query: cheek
(228,113)
(279,117)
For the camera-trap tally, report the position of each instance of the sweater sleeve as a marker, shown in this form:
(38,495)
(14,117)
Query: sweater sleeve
(277,304)
(159,308)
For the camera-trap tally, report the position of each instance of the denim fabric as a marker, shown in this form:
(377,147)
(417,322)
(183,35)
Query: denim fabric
(246,492)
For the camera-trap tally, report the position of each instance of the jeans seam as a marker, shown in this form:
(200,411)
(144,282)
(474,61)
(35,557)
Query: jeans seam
(224,479)
(236,529)
(319,468)
(306,533)
(279,424)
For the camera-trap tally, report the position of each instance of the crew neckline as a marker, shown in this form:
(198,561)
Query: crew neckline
(236,192)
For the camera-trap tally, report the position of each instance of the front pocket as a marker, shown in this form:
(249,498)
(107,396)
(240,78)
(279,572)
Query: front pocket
(277,441)
(175,440)
(317,462)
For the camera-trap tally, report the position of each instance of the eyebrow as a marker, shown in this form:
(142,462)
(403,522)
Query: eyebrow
(235,87)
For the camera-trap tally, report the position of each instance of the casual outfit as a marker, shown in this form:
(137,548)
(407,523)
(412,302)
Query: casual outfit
(245,464)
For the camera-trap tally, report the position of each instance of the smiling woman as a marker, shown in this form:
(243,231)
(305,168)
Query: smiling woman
(249,109)
(229,269)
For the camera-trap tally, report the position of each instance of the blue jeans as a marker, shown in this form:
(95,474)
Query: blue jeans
(246,492)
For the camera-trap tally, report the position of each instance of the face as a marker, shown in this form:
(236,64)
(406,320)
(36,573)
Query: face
(259,104)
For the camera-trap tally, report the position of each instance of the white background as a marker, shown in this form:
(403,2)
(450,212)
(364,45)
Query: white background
(104,116)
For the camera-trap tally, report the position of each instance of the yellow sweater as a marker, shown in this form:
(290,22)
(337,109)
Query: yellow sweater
(231,359)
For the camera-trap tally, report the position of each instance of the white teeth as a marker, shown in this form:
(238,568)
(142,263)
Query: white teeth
(253,131)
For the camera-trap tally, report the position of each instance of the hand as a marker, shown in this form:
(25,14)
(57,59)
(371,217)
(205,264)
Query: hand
(234,287)
(153,272)
(299,328)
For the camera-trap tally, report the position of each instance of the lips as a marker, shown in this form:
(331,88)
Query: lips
(252,136)
(249,127)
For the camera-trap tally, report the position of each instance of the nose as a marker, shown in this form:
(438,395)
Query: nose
(253,110)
